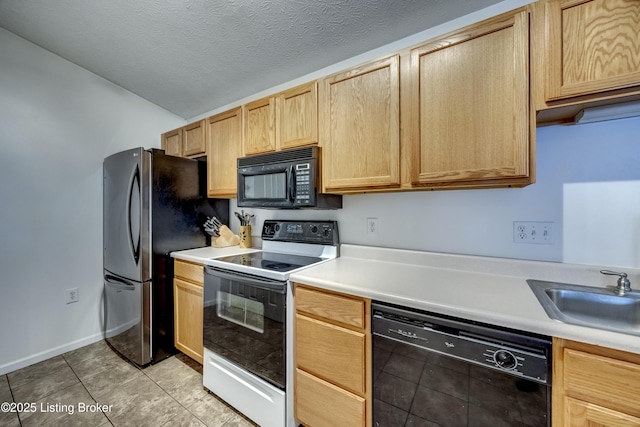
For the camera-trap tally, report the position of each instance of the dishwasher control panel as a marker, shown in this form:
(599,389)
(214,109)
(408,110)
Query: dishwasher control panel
(522,355)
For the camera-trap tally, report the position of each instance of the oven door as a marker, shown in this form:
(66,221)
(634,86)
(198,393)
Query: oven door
(244,322)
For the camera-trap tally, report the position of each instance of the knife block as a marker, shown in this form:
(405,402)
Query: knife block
(227,238)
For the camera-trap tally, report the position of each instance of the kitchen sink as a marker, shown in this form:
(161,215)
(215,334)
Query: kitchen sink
(589,306)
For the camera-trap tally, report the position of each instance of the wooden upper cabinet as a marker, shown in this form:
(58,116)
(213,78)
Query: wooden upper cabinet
(224,141)
(360,127)
(286,120)
(259,126)
(187,141)
(470,118)
(297,116)
(592,46)
(194,142)
(171,142)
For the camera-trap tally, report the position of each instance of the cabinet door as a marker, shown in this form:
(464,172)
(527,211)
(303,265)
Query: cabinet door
(172,142)
(580,414)
(194,143)
(360,127)
(470,105)
(224,146)
(298,116)
(259,126)
(331,352)
(592,46)
(322,404)
(188,314)
(602,380)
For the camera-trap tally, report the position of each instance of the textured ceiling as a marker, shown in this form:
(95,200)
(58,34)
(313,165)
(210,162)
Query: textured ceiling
(192,56)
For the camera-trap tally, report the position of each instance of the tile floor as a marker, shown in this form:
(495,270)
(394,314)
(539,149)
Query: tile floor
(60,391)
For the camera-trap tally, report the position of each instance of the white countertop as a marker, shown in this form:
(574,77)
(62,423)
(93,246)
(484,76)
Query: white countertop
(489,290)
(200,255)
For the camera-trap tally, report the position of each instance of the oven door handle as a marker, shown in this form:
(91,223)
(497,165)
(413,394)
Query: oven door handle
(259,282)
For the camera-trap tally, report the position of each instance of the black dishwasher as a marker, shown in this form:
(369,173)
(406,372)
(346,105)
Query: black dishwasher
(433,370)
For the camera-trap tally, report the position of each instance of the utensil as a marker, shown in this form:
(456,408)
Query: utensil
(244,218)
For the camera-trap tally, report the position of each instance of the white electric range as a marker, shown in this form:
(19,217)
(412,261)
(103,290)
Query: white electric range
(246,321)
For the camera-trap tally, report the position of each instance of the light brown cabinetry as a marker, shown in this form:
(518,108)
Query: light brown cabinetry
(187,141)
(466,118)
(171,142)
(286,120)
(259,126)
(224,146)
(332,347)
(194,142)
(297,116)
(594,386)
(188,283)
(360,127)
(589,55)
(470,120)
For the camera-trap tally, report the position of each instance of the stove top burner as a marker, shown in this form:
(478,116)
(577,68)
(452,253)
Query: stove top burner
(273,261)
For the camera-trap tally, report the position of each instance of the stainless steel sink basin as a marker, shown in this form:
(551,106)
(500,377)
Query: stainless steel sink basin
(588,306)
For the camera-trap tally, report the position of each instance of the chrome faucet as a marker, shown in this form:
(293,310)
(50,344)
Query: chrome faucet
(624,285)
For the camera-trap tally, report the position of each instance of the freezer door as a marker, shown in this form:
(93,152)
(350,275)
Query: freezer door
(126,196)
(128,317)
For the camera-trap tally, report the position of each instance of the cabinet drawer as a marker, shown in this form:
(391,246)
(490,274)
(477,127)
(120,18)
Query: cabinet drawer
(336,308)
(587,414)
(321,404)
(604,381)
(189,271)
(331,352)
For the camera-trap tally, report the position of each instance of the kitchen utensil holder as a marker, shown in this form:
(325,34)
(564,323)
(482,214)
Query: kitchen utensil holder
(245,236)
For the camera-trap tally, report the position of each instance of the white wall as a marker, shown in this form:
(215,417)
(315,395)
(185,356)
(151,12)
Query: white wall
(588,185)
(57,123)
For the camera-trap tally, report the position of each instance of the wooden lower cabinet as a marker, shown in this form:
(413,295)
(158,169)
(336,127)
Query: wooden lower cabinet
(594,386)
(188,285)
(321,403)
(332,357)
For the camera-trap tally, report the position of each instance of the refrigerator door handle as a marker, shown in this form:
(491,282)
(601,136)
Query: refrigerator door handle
(134,246)
(118,283)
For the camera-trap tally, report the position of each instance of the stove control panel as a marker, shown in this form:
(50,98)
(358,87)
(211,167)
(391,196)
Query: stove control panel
(318,232)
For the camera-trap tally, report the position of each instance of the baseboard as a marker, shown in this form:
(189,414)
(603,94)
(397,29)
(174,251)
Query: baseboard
(48,354)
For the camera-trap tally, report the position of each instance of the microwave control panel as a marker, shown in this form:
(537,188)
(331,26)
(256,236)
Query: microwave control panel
(304,184)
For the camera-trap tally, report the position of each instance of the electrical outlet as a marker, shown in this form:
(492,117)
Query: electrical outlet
(536,232)
(372,226)
(72,295)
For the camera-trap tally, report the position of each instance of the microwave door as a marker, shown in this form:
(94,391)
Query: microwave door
(265,187)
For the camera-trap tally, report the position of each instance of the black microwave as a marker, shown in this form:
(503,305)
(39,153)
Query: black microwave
(287,179)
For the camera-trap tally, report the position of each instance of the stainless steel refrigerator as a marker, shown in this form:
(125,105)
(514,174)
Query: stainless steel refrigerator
(153,204)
